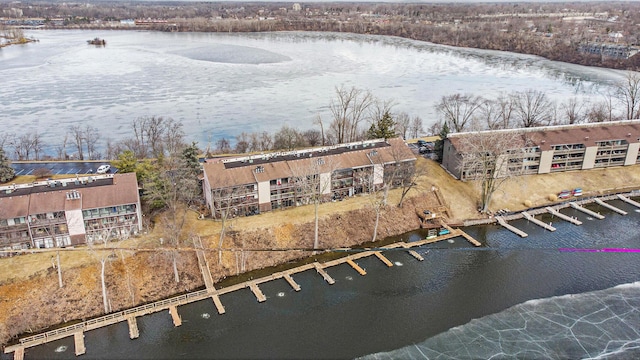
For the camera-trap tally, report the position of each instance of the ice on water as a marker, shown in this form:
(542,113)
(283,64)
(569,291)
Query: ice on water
(602,324)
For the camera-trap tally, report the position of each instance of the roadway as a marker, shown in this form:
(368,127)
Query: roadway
(59,167)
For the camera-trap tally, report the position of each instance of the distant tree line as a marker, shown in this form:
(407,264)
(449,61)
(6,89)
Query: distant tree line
(552,30)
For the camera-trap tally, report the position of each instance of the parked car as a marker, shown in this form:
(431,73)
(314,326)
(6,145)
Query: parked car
(577,192)
(422,143)
(103,169)
(564,194)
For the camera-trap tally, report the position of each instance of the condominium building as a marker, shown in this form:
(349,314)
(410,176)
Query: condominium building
(548,149)
(67,212)
(252,184)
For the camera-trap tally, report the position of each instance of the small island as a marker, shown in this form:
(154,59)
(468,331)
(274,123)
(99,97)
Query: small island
(97,42)
(14,37)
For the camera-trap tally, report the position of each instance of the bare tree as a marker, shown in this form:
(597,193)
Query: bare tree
(77,134)
(458,110)
(532,108)
(37,145)
(313,178)
(91,136)
(628,93)
(349,109)
(403,121)
(242,143)
(62,148)
(416,127)
(491,158)
(573,111)
(223,146)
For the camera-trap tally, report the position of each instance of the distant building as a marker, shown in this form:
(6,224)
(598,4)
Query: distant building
(252,184)
(58,213)
(549,149)
(296,7)
(607,50)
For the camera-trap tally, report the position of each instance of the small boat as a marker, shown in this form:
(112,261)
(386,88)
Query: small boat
(97,41)
(443,232)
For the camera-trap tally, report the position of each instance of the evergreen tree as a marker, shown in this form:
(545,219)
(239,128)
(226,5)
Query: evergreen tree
(383,128)
(190,160)
(439,145)
(6,171)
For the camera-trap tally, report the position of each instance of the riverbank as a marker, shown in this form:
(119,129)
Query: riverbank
(141,271)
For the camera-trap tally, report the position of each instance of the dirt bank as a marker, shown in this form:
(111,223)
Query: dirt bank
(31,300)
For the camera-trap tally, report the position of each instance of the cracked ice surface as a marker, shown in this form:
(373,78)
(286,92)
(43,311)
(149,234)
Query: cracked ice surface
(602,324)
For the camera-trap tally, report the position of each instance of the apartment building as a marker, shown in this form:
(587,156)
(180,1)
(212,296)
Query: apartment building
(549,149)
(59,213)
(249,185)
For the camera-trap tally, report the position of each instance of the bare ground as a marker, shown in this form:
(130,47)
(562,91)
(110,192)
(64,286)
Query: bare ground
(29,282)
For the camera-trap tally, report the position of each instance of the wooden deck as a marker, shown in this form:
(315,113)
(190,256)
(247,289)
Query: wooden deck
(292,282)
(257,292)
(177,320)
(356,267)
(610,207)
(562,216)
(538,222)
(218,304)
(513,229)
(586,211)
(628,201)
(386,261)
(134,333)
(78,340)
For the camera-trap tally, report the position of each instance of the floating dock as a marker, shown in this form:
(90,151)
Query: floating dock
(356,267)
(537,222)
(18,354)
(628,201)
(78,340)
(324,274)
(586,211)
(218,304)
(610,207)
(415,255)
(386,261)
(513,229)
(177,320)
(257,292)
(291,282)
(562,216)
(134,333)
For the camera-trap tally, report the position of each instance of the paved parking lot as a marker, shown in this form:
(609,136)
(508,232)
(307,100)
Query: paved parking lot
(58,168)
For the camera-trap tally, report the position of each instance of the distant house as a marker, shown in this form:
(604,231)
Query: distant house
(549,149)
(59,213)
(252,184)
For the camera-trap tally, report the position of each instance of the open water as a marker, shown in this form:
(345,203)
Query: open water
(219,85)
(512,298)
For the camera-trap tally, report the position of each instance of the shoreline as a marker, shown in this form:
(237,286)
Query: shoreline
(246,281)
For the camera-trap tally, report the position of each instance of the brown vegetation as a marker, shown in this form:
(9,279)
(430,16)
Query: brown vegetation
(29,282)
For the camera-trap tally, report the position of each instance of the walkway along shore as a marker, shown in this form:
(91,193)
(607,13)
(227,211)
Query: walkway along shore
(172,304)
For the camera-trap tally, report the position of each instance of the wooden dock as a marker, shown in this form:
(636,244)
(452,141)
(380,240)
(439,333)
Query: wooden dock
(257,292)
(415,255)
(78,340)
(218,304)
(628,201)
(324,274)
(537,222)
(356,267)
(513,229)
(18,354)
(203,264)
(134,333)
(460,232)
(562,216)
(291,282)
(386,261)
(177,320)
(586,211)
(610,207)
